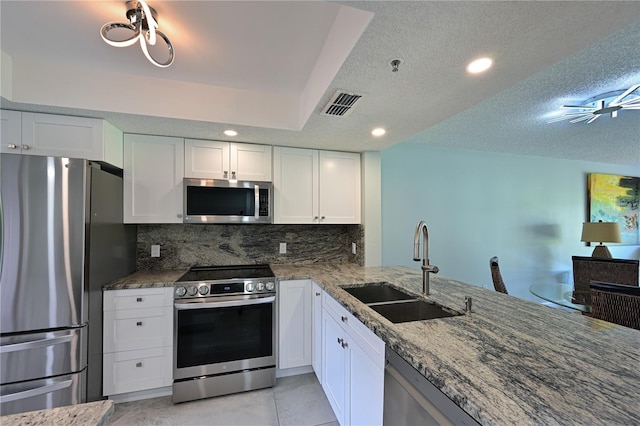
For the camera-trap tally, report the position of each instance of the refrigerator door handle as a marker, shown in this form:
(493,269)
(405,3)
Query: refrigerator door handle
(35,344)
(35,392)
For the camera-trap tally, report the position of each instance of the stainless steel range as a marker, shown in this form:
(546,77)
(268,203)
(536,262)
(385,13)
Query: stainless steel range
(224,331)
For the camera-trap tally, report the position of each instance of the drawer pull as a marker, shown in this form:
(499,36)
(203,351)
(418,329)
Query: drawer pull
(340,341)
(139,323)
(344,344)
(344,319)
(138,364)
(317,294)
(139,299)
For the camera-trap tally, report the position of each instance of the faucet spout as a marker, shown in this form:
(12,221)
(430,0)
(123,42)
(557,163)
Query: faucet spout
(423,231)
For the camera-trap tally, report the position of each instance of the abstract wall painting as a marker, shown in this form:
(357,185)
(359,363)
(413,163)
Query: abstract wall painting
(615,198)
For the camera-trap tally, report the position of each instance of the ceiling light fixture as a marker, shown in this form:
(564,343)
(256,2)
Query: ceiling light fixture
(607,103)
(378,131)
(143,22)
(479,65)
(230,132)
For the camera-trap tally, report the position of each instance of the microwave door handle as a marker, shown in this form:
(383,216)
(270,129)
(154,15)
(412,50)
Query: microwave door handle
(256,210)
(243,302)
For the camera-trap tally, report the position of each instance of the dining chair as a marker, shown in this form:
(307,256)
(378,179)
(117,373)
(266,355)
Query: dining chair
(616,303)
(498,283)
(587,269)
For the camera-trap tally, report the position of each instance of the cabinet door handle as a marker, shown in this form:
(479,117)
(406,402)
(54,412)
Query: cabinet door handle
(138,364)
(226,174)
(139,323)
(138,299)
(233,175)
(344,319)
(322,218)
(12,146)
(340,341)
(344,345)
(179,215)
(317,294)
(25,147)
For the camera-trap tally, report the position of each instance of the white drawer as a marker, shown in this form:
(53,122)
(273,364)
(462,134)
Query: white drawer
(371,344)
(140,298)
(137,329)
(133,371)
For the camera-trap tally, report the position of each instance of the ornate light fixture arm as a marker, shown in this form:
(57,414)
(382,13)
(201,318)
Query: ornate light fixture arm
(143,23)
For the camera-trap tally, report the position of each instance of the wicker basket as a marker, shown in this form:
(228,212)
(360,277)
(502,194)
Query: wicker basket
(619,304)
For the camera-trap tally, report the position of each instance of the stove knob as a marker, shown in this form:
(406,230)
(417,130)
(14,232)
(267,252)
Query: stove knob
(193,290)
(181,291)
(203,290)
(260,287)
(251,286)
(270,286)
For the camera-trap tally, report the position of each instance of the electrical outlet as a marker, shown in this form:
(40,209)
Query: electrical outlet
(283,248)
(353,248)
(155,250)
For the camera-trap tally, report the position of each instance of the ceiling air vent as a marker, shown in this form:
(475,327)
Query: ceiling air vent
(340,103)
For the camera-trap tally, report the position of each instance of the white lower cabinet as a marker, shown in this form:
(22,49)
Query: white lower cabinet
(137,340)
(294,324)
(352,366)
(316,330)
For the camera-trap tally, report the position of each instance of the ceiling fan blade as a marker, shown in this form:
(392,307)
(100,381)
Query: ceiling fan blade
(586,117)
(567,117)
(629,101)
(624,95)
(579,106)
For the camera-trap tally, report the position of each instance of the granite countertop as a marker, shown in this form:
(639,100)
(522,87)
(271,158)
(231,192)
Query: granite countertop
(89,414)
(510,362)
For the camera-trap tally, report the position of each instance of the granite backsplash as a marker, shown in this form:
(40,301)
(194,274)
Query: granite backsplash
(185,245)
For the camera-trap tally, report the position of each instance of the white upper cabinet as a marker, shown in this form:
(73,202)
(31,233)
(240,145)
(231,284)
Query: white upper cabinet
(317,187)
(339,187)
(153,173)
(224,160)
(10,131)
(61,136)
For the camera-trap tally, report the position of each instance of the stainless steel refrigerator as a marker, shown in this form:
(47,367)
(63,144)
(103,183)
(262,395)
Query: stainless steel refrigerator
(62,240)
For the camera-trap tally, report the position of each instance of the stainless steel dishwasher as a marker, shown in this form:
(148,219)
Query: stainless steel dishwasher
(410,399)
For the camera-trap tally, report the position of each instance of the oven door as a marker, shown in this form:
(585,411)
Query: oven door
(223,334)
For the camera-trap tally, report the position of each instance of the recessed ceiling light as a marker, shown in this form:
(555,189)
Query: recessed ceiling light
(230,133)
(378,131)
(479,65)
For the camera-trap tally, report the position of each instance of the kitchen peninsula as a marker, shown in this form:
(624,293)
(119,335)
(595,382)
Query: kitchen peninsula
(509,362)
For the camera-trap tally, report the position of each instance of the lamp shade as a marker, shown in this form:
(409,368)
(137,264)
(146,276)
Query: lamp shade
(602,232)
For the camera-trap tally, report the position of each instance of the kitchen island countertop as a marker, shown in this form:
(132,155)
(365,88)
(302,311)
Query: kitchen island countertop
(511,361)
(89,414)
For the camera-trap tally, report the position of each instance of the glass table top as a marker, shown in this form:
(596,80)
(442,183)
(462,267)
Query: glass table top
(560,294)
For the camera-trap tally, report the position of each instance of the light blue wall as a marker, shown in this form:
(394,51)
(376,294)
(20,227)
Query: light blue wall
(526,210)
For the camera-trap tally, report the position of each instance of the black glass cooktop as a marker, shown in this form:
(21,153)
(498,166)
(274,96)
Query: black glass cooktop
(217,273)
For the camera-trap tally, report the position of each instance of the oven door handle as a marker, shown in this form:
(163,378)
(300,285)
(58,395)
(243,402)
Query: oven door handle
(243,302)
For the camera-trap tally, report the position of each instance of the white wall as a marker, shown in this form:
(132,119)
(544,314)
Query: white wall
(526,210)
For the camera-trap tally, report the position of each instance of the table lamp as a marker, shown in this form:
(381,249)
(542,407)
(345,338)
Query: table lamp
(602,232)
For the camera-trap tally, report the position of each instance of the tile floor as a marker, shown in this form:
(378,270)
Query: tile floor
(295,400)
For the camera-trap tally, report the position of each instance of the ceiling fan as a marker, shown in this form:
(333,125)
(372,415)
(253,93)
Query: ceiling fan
(607,103)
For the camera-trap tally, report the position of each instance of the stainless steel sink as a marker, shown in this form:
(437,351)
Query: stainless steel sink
(396,305)
(377,292)
(414,310)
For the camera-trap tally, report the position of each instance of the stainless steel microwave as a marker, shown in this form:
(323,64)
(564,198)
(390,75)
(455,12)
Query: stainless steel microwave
(224,201)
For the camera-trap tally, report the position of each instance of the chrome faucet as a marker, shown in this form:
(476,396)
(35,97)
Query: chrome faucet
(426,268)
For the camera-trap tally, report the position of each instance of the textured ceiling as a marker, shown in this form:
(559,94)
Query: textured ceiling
(546,54)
